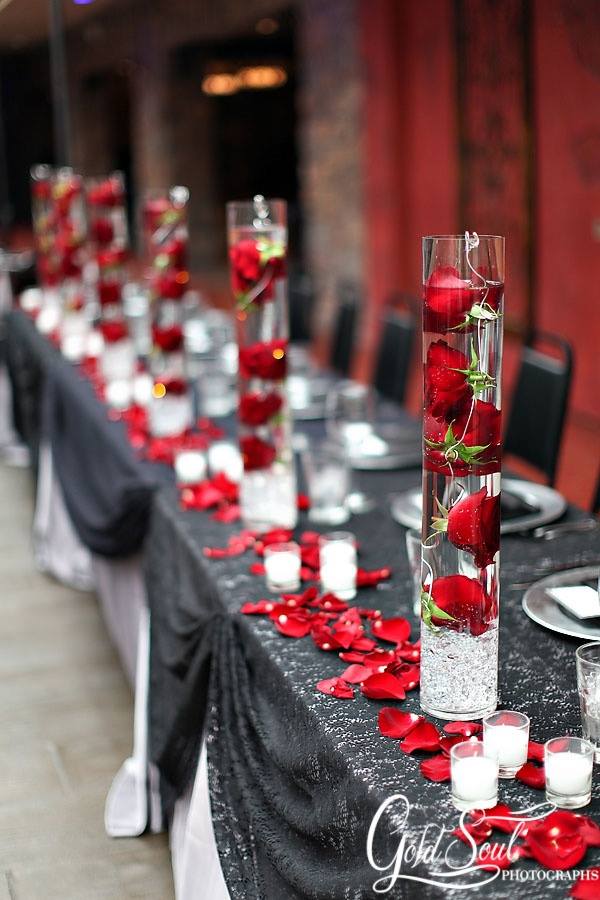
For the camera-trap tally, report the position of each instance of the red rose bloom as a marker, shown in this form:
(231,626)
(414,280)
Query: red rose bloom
(246,269)
(256,408)
(102,231)
(171,285)
(447,299)
(447,393)
(176,250)
(177,387)
(109,259)
(257,454)
(114,331)
(107,193)
(169,340)
(465,600)
(266,359)
(109,292)
(476,427)
(474,525)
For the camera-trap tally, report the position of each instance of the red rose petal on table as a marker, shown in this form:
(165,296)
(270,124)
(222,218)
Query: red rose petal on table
(409,677)
(309,555)
(467,729)
(587,885)
(396,630)
(589,830)
(500,817)
(364,643)
(394,723)
(303,502)
(302,599)
(260,608)
(498,856)
(535,751)
(227,513)
(306,574)
(380,658)
(336,687)
(291,625)
(479,830)
(351,656)
(556,841)
(448,742)
(383,686)
(437,768)
(371,579)
(409,652)
(356,674)
(310,537)
(330,603)
(532,776)
(424,737)
(324,638)
(256,569)
(275,536)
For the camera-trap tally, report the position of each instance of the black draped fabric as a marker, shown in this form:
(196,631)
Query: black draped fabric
(295,776)
(107,489)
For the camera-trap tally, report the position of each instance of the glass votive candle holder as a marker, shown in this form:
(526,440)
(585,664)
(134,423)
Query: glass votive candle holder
(506,736)
(474,776)
(337,564)
(225,457)
(588,686)
(568,763)
(190,466)
(282,567)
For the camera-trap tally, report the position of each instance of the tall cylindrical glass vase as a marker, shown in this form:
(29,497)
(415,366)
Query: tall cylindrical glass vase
(463,278)
(257,233)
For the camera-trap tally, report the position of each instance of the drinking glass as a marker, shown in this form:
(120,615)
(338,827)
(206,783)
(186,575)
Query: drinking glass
(337,564)
(327,480)
(282,567)
(568,763)
(506,735)
(588,685)
(350,411)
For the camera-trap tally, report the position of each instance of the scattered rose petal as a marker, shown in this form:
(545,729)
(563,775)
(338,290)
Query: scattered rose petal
(479,830)
(556,841)
(260,608)
(330,602)
(256,569)
(351,656)
(467,729)
(448,742)
(383,686)
(324,637)
(498,856)
(303,502)
(535,751)
(409,677)
(436,768)
(336,687)
(356,674)
(394,723)
(371,579)
(227,513)
(531,775)
(500,817)
(292,625)
(396,631)
(424,736)
(364,643)
(379,658)
(587,885)
(590,831)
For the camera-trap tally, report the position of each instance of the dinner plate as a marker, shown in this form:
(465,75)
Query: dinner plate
(541,608)
(548,505)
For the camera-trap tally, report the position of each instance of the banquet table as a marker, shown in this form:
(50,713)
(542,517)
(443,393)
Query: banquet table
(295,777)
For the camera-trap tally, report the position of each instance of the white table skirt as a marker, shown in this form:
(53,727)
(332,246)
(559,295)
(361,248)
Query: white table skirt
(120,588)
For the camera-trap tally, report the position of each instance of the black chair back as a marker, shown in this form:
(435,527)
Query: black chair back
(342,341)
(537,416)
(394,355)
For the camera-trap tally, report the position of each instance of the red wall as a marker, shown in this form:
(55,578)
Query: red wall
(567,129)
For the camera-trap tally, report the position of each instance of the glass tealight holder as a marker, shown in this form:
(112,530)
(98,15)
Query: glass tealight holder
(568,764)
(337,563)
(282,567)
(588,685)
(506,735)
(474,776)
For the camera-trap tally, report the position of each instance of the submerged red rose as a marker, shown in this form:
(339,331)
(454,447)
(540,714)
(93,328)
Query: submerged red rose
(473,524)
(257,454)
(114,331)
(109,292)
(249,269)
(447,391)
(265,359)
(102,231)
(256,408)
(458,602)
(169,339)
(172,284)
(447,299)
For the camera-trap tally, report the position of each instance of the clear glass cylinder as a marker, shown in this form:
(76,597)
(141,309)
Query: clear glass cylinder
(164,239)
(109,239)
(463,284)
(257,235)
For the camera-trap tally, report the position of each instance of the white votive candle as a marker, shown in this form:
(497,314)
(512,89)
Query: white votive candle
(568,764)
(474,776)
(282,567)
(190,466)
(337,564)
(118,393)
(225,457)
(506,737)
